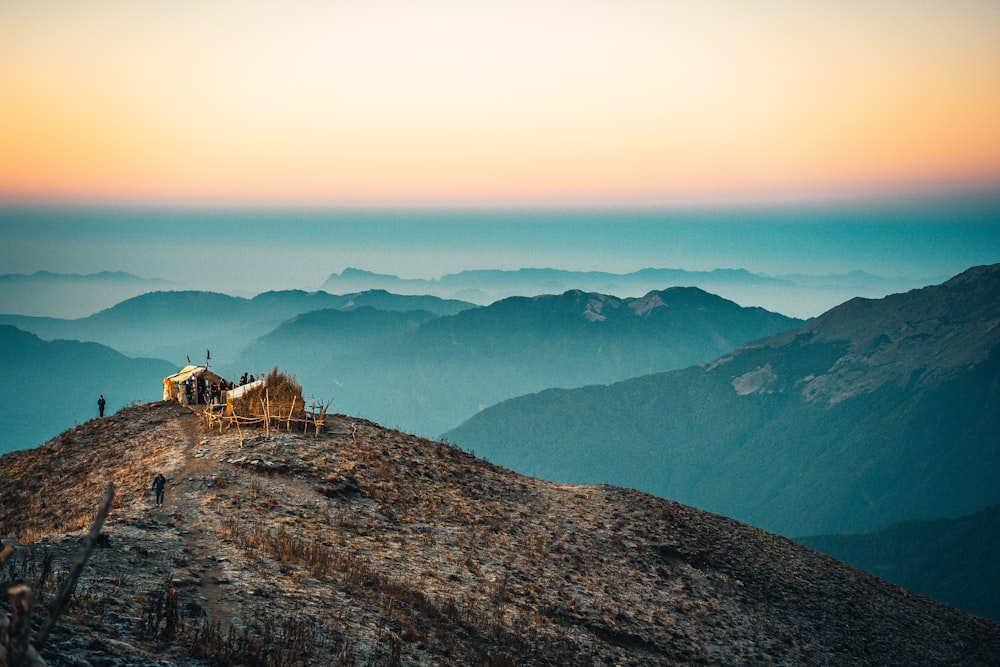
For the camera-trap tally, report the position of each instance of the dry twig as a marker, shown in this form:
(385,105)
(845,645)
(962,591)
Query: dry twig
(16,648)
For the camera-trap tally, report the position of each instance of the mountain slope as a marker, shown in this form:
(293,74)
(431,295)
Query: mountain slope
(953,560)
(430,374)
(370,546)
(53,384)
(875,412)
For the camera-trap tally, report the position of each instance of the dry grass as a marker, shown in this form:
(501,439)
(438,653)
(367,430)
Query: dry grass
(280,397)
(368,546)
(60,484)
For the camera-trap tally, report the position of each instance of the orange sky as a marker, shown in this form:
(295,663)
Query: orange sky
(442,101)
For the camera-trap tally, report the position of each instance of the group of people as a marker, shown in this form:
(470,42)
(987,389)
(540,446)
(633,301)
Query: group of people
(218,389)
(198,390)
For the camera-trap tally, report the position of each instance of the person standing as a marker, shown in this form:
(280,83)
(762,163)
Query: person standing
(159,484)
(100,405)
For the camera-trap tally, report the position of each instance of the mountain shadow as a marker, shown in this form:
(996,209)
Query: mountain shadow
(875,412)
(952,560)
(362,545)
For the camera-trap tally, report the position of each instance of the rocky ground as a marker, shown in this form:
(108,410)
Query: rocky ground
(368,546)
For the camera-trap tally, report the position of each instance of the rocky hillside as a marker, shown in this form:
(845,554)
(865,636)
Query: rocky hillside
(367,546)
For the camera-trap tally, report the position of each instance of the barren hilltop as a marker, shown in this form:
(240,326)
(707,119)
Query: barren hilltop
(368,546)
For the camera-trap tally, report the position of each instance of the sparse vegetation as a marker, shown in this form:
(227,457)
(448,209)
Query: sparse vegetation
(368,546)
(19,645)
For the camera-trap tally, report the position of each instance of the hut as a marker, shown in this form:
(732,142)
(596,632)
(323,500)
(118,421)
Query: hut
(190,385)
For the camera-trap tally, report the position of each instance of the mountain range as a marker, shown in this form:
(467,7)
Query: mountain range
(797,295)
(362,545)
(55,384)
(175,325)
(877,411)
(420,362)
(427,374)
(71,295)
(76,296)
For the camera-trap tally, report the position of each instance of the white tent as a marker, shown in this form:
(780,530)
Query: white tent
(242,389)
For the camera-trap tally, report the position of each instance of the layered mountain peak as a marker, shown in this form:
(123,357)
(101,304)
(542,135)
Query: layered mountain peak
(876,412)
(966,301)
(915,339)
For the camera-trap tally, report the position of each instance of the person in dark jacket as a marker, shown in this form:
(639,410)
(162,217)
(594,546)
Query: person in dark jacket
(100,405)
(159,484)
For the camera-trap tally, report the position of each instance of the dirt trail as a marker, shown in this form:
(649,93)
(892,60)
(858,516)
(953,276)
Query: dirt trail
(183,500)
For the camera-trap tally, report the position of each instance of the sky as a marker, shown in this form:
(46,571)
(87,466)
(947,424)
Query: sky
(488,103)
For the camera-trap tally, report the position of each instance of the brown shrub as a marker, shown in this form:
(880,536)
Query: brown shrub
(280,395)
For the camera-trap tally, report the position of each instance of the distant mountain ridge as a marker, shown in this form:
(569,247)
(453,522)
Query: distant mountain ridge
(421,362)
(74,296)
(797,295)
(875,412)
(176,324)
(99,276)
(71,295)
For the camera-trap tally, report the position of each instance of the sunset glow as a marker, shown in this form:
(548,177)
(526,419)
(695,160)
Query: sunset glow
(387,102)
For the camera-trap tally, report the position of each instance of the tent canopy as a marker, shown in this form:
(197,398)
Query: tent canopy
(185,373)
(171,383)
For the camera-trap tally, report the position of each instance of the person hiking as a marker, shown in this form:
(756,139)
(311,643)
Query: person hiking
(100,405)
(159,484)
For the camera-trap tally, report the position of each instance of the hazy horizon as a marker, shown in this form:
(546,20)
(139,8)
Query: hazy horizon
(245,251)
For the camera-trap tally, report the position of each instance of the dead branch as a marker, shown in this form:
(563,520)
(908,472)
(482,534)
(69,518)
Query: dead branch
(16,648)
(74,574)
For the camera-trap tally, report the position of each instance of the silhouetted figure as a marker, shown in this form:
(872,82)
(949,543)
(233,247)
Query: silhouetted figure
(159,484)
(100,405)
